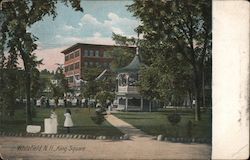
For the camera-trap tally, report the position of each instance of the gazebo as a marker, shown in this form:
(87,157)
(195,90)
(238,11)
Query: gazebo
(127,94)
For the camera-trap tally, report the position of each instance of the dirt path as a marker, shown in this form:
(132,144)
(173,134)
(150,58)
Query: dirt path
(14,148)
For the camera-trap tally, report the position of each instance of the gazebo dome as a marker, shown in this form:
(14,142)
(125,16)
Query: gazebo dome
(133,66)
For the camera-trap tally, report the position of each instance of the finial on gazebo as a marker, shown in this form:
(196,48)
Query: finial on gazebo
(137,42)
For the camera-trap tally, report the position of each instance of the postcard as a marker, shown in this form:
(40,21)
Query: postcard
(125,79)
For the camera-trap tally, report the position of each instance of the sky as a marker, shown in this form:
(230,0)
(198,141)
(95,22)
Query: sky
(94,25)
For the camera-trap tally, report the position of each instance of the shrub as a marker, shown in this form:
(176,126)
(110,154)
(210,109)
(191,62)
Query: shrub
(174,118)
(98,117)
(189,128)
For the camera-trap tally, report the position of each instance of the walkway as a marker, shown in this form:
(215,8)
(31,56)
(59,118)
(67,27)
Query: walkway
(126,128)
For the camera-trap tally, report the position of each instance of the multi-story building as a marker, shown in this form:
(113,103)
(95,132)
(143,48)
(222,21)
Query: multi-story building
(81,56)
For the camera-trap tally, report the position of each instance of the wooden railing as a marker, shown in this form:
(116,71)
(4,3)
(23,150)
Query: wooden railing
(128,89)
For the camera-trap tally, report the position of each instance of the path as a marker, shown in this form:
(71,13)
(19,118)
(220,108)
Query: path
(100,149)
(134,133)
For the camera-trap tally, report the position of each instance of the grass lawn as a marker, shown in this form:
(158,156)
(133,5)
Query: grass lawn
(81,117)
(156,123)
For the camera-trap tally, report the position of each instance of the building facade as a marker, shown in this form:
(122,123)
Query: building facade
(81,56)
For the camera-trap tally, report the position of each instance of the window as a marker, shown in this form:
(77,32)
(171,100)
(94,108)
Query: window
(91,53)
(86,63)
(66,68)
(86,52)
(97,63)
(77,53)
(72,56)
(66,57)
(91,63)
(71,67)
(105,54)
(97,53)
(77,65)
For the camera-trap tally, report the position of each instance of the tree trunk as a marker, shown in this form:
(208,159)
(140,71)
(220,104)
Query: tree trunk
(203,90)
(27,71)
(198,93)
(190,98)
(198,103)
(28,104)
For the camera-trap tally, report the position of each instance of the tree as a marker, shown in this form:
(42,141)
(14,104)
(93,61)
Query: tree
(178,27)
(92,86)
(122,55)
(62,81)
(123,40)
(19,16)
(103,96)
(165,80)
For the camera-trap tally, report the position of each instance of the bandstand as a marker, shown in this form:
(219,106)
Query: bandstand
(127,94)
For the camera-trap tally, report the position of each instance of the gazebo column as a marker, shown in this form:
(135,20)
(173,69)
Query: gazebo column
(126,104)
(141,104)
(150,106)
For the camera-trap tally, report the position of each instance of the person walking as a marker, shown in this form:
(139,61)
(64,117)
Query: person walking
(68,120)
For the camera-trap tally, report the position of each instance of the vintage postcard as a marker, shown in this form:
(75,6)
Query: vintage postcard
(102,79)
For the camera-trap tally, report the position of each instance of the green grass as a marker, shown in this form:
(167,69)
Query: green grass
(81,117)
(156,123)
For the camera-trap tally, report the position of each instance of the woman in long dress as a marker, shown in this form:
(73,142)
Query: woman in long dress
(68,120)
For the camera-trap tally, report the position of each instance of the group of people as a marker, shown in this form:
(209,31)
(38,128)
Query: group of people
(68,123)
(63,102)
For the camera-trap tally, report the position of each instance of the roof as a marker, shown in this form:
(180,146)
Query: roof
(133,66)
(77,45)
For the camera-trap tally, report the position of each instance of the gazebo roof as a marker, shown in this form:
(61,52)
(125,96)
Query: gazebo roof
(133,66)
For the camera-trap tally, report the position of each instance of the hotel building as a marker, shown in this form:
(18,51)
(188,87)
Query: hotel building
(81,56)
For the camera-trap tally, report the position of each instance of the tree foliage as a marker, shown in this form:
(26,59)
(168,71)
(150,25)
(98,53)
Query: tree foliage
(13,84)
(62,81)
(121,57)
(102,89)
(177,32)
(123,53)
(103,96)
(92,86)
(18,17)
